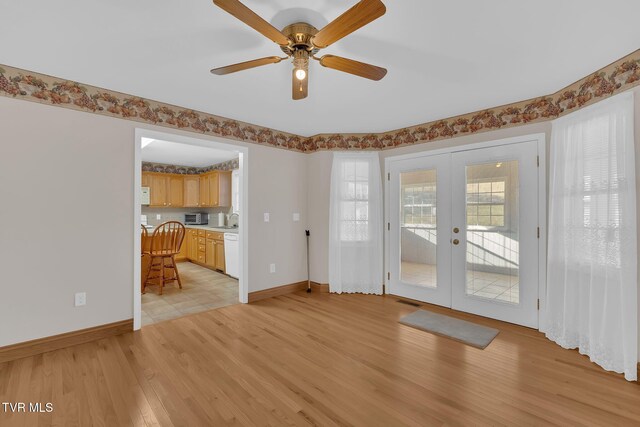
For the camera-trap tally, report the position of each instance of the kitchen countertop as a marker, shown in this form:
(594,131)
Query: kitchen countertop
(204,227)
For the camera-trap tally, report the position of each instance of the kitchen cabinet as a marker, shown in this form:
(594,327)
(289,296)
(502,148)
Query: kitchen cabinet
(215,250)
(205,192)
(211,253)
(182,255)
(206,248)
(175,190)
(224,189)
(191,191)
(215,189)
(166,190)
(158,190)
(192,244)
(219,258)
(211,189)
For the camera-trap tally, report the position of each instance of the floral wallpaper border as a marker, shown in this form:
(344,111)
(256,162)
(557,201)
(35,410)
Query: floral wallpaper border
(610,80)
(189,170)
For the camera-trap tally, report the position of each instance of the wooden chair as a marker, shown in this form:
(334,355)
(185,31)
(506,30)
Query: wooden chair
(165,244)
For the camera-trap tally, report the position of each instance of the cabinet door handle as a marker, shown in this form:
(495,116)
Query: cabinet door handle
(456,241)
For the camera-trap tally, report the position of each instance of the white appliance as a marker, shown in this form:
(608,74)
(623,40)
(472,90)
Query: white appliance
(145,195)
(231,254)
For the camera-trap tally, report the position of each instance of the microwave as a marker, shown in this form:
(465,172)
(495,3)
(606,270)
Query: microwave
(196,218)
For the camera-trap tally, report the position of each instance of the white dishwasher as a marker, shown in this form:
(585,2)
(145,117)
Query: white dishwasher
(231,254)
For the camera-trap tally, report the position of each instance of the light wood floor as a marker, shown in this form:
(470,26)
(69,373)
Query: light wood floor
(202,290)
(316,359)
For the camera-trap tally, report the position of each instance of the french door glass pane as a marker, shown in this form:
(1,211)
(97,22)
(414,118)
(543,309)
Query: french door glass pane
(418,228)
(492,195)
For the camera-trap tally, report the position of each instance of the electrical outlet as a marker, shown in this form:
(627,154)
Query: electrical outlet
(296,217)
(272,268)
(209,217)
(158,217)
(266,217)
(81,299)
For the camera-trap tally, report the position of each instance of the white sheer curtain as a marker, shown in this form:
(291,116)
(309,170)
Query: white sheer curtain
(592,283)
(355,224)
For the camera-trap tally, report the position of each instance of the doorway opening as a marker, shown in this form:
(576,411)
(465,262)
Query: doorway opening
(190,225)
(466,228)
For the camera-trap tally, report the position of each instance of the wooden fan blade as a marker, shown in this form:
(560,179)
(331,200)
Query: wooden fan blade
(300,88)
(246,65)
(249,17)
(358,16)
(356,68)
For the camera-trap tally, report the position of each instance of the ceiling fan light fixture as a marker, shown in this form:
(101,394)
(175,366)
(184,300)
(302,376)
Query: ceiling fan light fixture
(301,74)
(301,63)
(301,41)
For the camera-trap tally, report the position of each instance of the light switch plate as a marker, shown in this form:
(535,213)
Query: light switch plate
(158,217)
(266,217)
(296,217)
(272,268)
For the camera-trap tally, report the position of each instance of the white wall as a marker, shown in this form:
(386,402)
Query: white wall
(277,185)
(319,180)
(78,169)
(319,166)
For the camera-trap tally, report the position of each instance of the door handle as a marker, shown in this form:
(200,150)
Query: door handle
(456,241)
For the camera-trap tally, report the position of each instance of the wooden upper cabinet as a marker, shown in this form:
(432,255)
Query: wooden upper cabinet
(224,189)
(211,189)
(215,189)
(158,184)
(175,197)
(191,191)
(205,196)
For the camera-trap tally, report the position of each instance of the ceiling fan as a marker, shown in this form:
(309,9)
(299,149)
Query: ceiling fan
(301,41)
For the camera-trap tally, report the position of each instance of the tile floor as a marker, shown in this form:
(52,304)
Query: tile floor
(202,289)
(419,274)
(500,287)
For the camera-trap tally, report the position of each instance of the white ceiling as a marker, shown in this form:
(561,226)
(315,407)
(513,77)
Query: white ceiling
(172,153)
(444,57)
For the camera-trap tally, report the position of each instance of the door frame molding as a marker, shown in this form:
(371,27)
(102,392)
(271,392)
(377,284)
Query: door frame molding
(540,139)
(243,225)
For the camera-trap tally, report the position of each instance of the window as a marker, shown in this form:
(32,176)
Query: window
(354,200)
(355,224)
(601,178)
(419,204)
(486,202)
(235,191)
(592,277)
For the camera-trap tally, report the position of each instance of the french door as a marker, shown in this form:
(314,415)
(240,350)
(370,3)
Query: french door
(463,231)
(421,197)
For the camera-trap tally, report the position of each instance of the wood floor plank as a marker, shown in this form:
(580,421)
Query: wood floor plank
(315,359)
